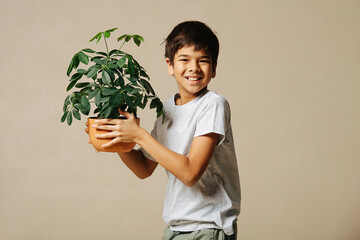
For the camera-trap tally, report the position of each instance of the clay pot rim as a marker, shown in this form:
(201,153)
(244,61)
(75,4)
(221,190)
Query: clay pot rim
(121,117)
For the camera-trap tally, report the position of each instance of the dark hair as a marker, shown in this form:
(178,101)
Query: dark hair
(192,33)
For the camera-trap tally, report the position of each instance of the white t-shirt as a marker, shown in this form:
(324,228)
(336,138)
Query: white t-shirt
(214,201)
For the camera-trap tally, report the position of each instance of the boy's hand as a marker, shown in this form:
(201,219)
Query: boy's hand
(120,130)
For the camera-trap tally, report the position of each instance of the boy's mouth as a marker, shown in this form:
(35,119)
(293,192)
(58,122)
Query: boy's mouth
(193,78)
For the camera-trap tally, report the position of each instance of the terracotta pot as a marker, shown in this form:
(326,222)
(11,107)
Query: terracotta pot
(97,143)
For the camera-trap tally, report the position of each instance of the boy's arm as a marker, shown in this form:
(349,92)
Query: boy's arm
(187,169)
(135,161)
(138,163)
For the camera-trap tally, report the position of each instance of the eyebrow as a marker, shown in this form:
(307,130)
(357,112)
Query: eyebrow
(185,55)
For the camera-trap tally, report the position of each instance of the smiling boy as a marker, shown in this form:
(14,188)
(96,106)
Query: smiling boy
(194,145)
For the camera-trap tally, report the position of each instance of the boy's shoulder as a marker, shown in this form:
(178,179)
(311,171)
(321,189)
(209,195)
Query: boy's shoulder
(214,96)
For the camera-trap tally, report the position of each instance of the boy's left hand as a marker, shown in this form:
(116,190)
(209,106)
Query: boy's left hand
(121,130)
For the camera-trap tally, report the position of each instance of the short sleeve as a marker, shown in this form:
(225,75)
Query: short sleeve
(214,118)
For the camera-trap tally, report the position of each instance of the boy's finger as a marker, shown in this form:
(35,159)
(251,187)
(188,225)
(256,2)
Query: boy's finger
(106,135)
(111,143)
(125,114)
(107,127)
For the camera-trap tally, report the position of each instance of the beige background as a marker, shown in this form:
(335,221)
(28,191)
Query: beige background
(290,70)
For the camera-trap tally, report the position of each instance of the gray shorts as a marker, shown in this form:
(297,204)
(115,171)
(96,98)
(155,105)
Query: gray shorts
(204,234)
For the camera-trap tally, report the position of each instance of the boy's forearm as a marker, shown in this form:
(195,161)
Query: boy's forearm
(179,165)
(138,164)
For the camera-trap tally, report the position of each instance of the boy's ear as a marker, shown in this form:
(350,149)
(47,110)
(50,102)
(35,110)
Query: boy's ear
(214,70)
(170,67)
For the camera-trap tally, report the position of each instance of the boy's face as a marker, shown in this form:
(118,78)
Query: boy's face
(192,70)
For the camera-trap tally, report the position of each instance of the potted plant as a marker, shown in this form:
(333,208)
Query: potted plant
(114,80)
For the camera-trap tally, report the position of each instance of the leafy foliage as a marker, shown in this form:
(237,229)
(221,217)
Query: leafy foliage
(115,80)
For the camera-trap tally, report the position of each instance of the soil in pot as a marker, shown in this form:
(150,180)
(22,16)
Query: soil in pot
(97,143)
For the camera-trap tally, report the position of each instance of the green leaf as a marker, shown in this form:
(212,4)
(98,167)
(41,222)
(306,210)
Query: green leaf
(81,85)
(130,57)
(103,53)
(111,74)
(115,51)
(137,65)
(138,101)
(122,37)
(66,103)
(120,82)
(76,114)
(111,30)
(163,117)
(144,102)
(72,64)
(129,101)
(159,106)
(115,100)
(147,86)
(133,79)
(92,72)
(121,62)
(106,34)
(71,85)
(154,103)
(105,100)
(135,90)
(113,66)
(144,74)
(108,91)
(138,37)
(85,90)
(85,105)
(106,112)
(96,36)
(98,98)
(137,41)
(69,119)
(128,88)
(64,116)
(128,38)
(88,50)
(82,71)
(76,62)
(93,93)
(75,77)
(131,67)
(105,78)
(99,61)
(83,58)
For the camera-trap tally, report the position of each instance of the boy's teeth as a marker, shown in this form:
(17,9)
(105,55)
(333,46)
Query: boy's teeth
(193,79)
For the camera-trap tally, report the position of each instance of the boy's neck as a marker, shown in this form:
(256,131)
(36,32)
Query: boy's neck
(182,98)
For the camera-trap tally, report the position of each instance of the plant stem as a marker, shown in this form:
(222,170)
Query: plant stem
(107,49)
(122,45)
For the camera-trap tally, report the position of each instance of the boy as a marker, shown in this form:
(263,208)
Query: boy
(194,145)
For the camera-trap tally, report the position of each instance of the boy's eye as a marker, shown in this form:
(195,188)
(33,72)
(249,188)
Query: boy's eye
(183,60)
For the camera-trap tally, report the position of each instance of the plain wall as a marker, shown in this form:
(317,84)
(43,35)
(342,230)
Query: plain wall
(290,70)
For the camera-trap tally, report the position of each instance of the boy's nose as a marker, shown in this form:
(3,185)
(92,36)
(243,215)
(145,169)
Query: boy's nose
(194,67)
